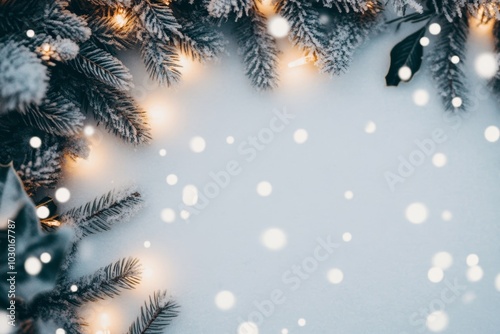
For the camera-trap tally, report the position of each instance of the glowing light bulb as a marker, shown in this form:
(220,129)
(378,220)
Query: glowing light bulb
(300,61)
(424,41)
(120,19)
(404,73)
(88,130)
(278,26)
(63,195)
(42,212)
(33,266)
(30,33)
(45,257)
(35,142)
(435,29)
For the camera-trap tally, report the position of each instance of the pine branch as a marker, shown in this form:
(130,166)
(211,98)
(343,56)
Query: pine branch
(119,113)
(450,9)
(400,6)
(157,19)
(305,29)
(155,316)
(161,61)
(357,6)
(102,66)
(495,81)
(106,282)
(449,77)
(259,51)
(41,169)
(102,213)
(222,8)
(56,115)
(58,21)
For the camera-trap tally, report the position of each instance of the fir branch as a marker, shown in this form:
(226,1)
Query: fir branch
(155,316)
(56,115)
(259,50)
(119,113)
(157,19)
(106,282)
(161,61)
(58,21)
(495,81)
(449,77)
(102,66)
(222,8)
(400,6)
(305,29)
(100,214)
(42,168)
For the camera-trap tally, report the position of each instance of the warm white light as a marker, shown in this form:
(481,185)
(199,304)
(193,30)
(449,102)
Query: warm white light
(435,28)
(435,274)
(300,136)
(60,331)
(147,273)
(230,140)
(446,215)
(472,260)
(120,19)
(264,188)
(370,127)
(335,276)
(437,321)
(104,320)
(442,260)
(424,41)
(492,133)
(301,322)
(486,65)
(284,331)
(88,130)
(416,213)
(439,160)
(225,300)
(42,212)
(168,215)
(147,244)
(248,328)
(185,214)
(35,142)
(497,282)
(278,26)
(404,73)
(456,102)
(33,266)
(162,152)
(420,97)
(197,144)
(171,179)
(455,59)
(45,257)
(73,288)
(63,195)
(300,61)
(274,239)
(349,194)
(30,33)
(347,237)
(190,195)
(474,274)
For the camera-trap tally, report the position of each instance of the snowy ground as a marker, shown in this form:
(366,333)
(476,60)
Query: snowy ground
(282,279)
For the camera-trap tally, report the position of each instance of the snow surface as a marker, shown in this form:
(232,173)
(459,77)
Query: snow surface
(385,286)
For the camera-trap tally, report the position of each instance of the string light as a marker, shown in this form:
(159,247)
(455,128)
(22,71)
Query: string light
(42,212)
(88,130)
(30,33)
(63,195)
(35,142)
(278,26)
(301,61)
(45,257)
(120,19)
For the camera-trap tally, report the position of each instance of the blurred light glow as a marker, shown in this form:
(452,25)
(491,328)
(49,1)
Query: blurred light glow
(486,65)
(73,288)
(497,282)
(300,136)
(264,188)
(437,321)
(335,276)
(278,26)
(435,275)
(347,236)
(225,300)
(474,273)
(248,328)
(45,257)
(185,214)
(492,133)
(424,41)
(60,331)
(435,29)
(404,73)
(230,140)
(370,127)
(197,144)
(420,97)
(416,213)
(439,160)
(88,130)
(455,59)
(168,215)
(284,331)
(42,212)
(442,260)
(63,195)
(162,152)
(446,215)
(147,244)
(301,322)
(349,194)
(33,266)
(300,61)
(472,260)
(273,238)
(30,33)
(171,179)
(35,142)
(456,102)
(190,195)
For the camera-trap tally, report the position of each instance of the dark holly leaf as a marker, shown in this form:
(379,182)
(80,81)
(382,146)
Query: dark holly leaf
(409,53)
